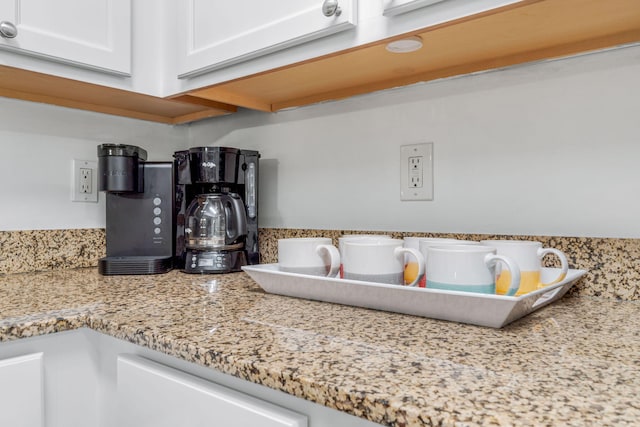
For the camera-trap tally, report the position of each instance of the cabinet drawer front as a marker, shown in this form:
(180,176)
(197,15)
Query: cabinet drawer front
(21,391)
(154,394)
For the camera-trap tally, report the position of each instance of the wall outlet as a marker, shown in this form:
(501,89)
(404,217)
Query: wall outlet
(84,187)
(416,172)
(85,180)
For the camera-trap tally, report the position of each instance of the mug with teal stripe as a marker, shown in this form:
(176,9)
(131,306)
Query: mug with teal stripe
(468,268)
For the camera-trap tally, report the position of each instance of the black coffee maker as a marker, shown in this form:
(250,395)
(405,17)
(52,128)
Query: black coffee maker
(140,213)
(216,195)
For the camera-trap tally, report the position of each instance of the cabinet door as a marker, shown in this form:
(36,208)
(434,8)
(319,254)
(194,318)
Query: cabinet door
(218,34)
(93,34)
(396,7)
(156,395)
(21,391)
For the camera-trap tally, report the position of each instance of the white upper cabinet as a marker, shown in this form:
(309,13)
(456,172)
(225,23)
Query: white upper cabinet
(430,12)
(397,7)
(94,34)
(219,34)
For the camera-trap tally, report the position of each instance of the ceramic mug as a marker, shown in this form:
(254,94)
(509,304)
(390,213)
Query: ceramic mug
(468,268)
(411,267)
(426,242)
(379,260)
(528,255)
(356,238)
(311,255)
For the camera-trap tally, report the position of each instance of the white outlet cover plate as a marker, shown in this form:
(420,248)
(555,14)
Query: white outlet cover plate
(76,195)
(425,150)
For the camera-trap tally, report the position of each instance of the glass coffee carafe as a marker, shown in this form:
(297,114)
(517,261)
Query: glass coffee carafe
(215,222)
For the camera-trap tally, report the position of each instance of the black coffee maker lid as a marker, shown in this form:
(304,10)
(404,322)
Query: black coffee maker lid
(122,150)
(214,150)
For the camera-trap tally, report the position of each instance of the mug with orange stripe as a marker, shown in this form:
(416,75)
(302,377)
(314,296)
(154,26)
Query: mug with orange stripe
(528,255)
(411,266)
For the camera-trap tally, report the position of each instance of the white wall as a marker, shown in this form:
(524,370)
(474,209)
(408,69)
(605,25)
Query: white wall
(37,145)
(546,149)
(551,149)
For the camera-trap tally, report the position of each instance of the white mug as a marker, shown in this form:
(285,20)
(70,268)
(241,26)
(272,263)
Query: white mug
(357,238)
(310,255)
(528,255)
(425,242)
(468,268)
(379,260)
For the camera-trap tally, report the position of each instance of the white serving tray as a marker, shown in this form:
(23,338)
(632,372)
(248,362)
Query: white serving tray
(494,311)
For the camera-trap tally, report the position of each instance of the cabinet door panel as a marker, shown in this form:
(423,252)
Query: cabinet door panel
(21,391)
(89,33)
(219,34)
(154,394)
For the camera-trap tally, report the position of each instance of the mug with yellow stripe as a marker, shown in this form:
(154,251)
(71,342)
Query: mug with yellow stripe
(410,265)
(421,244)
(528,255)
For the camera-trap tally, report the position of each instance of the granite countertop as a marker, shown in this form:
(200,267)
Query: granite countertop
(576,362)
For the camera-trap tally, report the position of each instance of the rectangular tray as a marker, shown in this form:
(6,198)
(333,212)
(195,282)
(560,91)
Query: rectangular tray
(493,311)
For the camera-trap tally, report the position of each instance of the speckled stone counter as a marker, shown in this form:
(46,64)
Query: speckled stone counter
(576,362)
(39,250)
(611,264)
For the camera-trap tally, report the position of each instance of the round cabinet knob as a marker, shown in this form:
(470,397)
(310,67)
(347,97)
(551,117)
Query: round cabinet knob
(331,8)
(8,30)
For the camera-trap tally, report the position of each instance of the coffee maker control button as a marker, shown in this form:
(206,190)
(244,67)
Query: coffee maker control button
(157,220)
(157,230)
(157,201)
(157,211)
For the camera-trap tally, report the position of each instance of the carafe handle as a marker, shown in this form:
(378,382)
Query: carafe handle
(236,218)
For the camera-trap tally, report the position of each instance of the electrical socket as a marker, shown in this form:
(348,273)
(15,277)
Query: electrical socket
(84,187)
(85,180)
(416,172)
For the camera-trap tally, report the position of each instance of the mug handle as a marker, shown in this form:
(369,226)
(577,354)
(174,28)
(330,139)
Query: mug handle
(491,259)
(399,253)
(334,255)
(564,265)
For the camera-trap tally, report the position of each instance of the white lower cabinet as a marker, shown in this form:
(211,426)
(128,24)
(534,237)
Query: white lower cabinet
(83,378)
(52,380)
(153,394)
(22,391)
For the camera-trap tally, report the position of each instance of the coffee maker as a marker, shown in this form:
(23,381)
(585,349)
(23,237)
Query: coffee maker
(216,195)
(140,230)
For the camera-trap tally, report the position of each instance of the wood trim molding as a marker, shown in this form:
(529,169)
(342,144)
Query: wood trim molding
(519,33)
(37,87)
